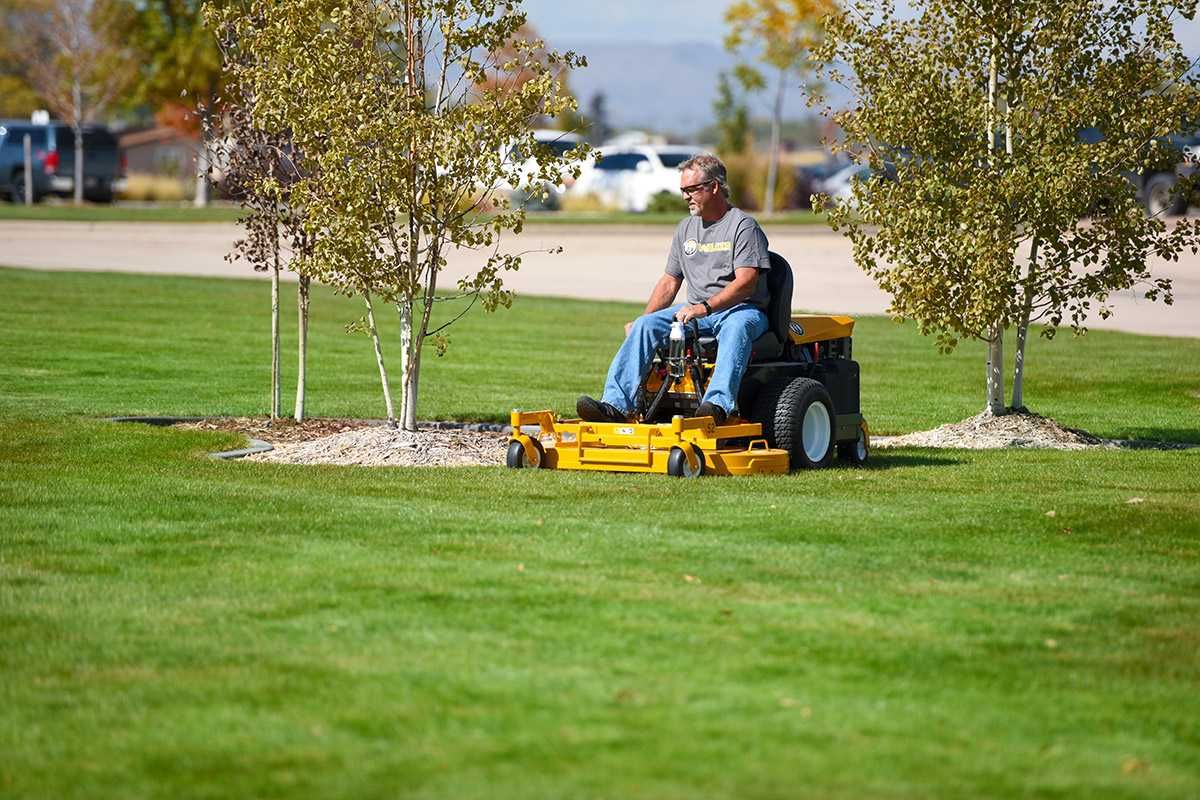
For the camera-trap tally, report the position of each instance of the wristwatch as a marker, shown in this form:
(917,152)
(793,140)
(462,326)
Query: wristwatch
(707,308)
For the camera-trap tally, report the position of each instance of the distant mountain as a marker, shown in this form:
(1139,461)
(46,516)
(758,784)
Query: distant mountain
(663,87)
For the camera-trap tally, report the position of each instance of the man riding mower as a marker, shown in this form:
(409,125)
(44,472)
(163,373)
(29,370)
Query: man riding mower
(728,382)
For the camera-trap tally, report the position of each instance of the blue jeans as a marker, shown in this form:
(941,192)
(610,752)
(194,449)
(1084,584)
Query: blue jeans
(736,329)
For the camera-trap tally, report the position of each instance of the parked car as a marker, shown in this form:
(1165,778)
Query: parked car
(53,160)
(526,191)
(628,177)
(1156,185)
(809,177)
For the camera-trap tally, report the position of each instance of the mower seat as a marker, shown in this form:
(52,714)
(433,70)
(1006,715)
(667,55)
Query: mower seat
(772,345)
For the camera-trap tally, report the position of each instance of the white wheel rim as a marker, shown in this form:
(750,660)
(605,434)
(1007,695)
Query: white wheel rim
(815,432)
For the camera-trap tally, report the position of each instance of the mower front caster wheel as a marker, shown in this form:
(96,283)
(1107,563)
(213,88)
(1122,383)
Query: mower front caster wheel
(857,452)
(518,457)
(679,465)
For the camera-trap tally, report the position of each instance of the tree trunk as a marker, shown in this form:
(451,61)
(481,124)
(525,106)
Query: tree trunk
(202,167)
(995,373)
(1018,389)
(383,377)
(302,294)
(773,161)
(410,368)
(78,128)
(275,390)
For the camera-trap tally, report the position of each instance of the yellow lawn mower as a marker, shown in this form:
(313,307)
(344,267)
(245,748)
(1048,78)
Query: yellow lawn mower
(800,398)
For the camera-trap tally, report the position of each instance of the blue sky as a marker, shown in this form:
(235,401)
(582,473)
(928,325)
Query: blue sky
(673,21)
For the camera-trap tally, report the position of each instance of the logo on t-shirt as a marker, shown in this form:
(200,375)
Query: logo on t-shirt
(690,246)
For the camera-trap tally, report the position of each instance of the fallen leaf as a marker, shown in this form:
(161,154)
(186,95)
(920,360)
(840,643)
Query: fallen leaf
(1052,514)
(1052,643)
(1131,765)
(788,702)
(692,579)
(1135,500)
(520,567)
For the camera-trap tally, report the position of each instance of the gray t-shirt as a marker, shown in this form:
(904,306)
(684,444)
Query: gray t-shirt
(706,255)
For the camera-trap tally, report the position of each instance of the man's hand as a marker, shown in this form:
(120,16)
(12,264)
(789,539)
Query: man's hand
(689,313)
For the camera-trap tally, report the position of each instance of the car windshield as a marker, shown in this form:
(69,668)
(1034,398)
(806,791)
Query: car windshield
(672,160)
(621,161)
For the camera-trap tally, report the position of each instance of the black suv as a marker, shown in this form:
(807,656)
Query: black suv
(53,151)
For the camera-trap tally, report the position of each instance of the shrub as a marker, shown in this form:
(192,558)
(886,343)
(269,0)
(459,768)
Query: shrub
(667,203)
(141,186)
(747,175)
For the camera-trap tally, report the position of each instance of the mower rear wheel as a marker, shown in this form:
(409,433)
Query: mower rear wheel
(797,416)
(679,466)
(517,458)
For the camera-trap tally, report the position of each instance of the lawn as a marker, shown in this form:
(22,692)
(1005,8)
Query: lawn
(941,624)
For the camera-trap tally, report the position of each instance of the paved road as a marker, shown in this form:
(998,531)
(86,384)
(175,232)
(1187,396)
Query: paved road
(609,262)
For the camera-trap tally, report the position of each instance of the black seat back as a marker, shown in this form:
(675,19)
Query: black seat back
(779,301)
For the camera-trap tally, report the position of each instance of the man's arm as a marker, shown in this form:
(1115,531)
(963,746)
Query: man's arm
(739,290)
(661,296)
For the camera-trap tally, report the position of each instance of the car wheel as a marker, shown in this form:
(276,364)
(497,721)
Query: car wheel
(16,188)
(797,416)
(518,458)
(1161,197)
(679,465)
(857,452)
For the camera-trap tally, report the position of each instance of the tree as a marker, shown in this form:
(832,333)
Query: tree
(405,113)
(999,214)
(17,97)
(180,70)
(785,30)
(733,119)
(73,58)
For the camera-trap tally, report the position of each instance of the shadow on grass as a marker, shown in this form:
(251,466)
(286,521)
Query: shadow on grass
(1161,439)
(892,460)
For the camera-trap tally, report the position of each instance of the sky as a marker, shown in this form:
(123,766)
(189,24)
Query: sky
(674,21)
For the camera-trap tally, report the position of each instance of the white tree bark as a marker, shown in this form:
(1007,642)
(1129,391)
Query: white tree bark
(1018,387)
(773,161)
(383,376)
(410,369)
(275,390)
(995,373)
(302,294)
(77,101)
(202,167)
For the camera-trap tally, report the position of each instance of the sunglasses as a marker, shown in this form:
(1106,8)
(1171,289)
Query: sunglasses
(688,191)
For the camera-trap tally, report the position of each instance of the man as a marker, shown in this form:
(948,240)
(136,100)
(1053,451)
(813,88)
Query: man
(720,251)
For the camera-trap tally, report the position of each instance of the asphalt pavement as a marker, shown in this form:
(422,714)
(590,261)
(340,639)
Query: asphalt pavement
(618,262)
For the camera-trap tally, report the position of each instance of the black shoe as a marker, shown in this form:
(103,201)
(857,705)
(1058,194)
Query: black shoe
(711,410)
(591,410)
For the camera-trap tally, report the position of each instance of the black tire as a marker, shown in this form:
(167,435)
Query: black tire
(1160,197)
(517,458)
(677,462)
(855,453)
(16,188)
(783,407)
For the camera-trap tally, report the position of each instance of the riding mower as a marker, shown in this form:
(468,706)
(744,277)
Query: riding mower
(799,395)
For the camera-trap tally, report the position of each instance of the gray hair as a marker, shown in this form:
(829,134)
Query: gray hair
(711,168)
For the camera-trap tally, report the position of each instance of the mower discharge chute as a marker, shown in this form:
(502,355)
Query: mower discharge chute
(798,405)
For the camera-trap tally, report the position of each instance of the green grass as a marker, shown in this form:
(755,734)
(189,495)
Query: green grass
(119,213)
(179,627)
(230,213)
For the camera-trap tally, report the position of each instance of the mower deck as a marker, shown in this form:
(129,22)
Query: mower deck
(683,446)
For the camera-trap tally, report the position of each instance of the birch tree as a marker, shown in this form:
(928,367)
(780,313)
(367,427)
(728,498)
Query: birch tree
(74,59)
(406,110)
(1000,215)
(779,34)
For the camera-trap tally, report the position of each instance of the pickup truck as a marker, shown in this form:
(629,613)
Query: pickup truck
(53,146)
